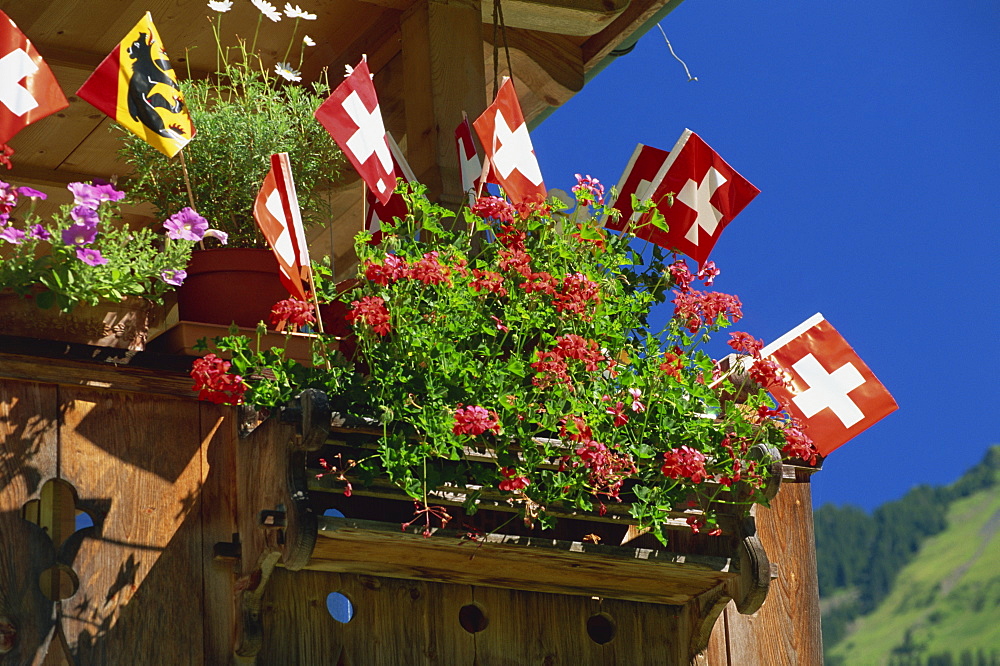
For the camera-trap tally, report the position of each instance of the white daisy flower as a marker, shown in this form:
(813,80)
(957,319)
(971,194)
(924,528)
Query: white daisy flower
(308,41)
(221,6)
(285,71)
(267,9)
(296,12)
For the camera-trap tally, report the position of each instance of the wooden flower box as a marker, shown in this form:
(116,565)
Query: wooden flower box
(587,555)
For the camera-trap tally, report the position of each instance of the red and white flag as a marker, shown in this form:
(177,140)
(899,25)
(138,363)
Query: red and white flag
(352,117)
(276,210)
(637,179)
(504,137)
(375,210)
(28,89)
(698,194)
(831,390)
(469,166)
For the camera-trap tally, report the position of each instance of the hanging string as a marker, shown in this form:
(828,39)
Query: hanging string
(686,70)
(501,27)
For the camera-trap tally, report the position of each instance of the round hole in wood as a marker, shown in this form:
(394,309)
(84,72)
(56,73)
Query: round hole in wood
(601,628)
(58,582)
(340,607)
(472,618)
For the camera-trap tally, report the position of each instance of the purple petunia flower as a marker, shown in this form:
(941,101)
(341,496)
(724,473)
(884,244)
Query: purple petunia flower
(4,218)
(32,193)
(85,216)
(174,277)
(222,236)
(186,224)
(39,232)
(79,234)
(91,196)
(12,235)
(90,256)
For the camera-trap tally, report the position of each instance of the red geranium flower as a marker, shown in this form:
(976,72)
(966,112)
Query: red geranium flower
(475,420)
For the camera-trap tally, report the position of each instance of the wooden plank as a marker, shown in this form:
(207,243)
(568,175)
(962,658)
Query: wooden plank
(137,458)
(645,634)
(634,18)
(563,17)
(395,622)
(550,65)
(219,440)
(545,565)
(69,364)
(786,630)
(28,458)
(534,628)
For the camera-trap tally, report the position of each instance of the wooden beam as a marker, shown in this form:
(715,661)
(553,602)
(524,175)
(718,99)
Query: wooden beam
(550,65)
(635,16)
(563,17)
(444,76)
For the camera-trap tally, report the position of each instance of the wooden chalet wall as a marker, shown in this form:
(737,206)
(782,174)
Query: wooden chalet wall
(118,436)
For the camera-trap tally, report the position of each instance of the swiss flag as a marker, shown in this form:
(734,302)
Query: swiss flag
(28,90)
(352,117)
(637,179)
(698,194)
(469,165)
(375,210)
(504,136)
(831,390)
(276,210)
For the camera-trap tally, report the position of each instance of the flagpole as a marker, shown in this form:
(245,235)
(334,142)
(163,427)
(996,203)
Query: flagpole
(187,184)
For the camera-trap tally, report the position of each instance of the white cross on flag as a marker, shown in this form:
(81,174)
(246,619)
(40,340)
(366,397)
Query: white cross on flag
(469,166)
(376,211)
(28,90)
(637,179)
(504,136)
(707,194)
(276,210)
(831,390)
(352,117)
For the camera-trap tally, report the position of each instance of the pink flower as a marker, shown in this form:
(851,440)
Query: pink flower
(372,311)
(637,406)
(91,196)
(292,311)
(588,190)
(745,343)
(684,462)
(174,278)
(495,208)
(214,384)
(12,235)
(708,273)
(90,256)
(186,224)
(621,418)
(475,420)
(511,482)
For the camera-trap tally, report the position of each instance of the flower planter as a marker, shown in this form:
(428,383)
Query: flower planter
(124,325)
(230,285)
(287,499)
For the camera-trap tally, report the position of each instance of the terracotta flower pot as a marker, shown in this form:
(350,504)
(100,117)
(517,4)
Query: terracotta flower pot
(226,285)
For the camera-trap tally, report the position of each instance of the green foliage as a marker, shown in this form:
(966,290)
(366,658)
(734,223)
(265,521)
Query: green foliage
(525,343)
(242,114)
(929,589)
(43,266)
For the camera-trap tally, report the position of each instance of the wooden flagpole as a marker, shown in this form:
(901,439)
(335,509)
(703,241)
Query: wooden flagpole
(187,185)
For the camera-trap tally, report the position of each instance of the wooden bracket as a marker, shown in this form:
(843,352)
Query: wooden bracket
(276,525)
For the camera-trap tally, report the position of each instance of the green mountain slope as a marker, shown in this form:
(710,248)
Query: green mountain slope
(905,592)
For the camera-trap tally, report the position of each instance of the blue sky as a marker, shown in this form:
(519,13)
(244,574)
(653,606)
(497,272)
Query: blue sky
(871,130)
